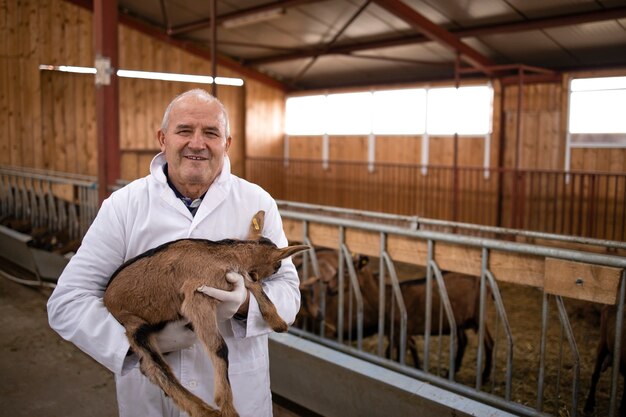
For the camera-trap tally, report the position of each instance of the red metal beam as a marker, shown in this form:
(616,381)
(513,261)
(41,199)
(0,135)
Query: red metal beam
(192,48)
(107,97)
(509,27)
(436,33)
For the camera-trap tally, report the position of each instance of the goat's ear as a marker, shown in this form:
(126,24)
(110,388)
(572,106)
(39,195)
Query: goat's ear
(256,226)
(308,283)
(362,261)
(290,250)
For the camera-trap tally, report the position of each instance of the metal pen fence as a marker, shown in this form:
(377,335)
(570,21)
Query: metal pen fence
(591,204)
(555,382)
(57,201)
(48,201)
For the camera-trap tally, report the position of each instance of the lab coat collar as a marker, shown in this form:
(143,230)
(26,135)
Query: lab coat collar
(215,195)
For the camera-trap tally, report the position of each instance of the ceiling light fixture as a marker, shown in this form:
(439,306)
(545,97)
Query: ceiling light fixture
(150,75)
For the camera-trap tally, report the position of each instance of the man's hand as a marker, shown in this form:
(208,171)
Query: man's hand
(230,301)
(175,336)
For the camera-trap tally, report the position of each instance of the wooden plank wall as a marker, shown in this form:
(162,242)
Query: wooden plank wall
(49,117)
(142,102)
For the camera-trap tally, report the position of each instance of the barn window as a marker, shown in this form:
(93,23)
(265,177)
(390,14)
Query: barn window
(399,112)
(466,111)
(597,106)
(349,114)
(306,115)
(596,114)
(436,111)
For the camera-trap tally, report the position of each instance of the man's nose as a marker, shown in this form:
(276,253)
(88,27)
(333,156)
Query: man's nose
(196,141)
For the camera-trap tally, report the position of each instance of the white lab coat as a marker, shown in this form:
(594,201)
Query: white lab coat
(138,217)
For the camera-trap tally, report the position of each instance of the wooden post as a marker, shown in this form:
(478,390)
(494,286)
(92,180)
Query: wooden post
(107,95)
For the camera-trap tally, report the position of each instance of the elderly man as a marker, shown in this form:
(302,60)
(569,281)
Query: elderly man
(190,193)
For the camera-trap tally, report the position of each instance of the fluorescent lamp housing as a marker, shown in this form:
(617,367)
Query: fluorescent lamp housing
(149,75)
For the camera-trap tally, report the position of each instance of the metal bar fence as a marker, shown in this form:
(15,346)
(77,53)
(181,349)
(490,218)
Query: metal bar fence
(503,394)
(590,204)
(39,201)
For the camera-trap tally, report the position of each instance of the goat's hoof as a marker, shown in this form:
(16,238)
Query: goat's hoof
(280,327)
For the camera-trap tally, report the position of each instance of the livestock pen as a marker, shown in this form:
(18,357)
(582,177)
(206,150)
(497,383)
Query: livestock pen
(545,368)
(545,291)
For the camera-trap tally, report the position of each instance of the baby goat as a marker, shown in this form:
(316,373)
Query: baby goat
(159,286)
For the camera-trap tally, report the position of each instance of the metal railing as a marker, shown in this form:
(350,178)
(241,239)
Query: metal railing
(591,204)
(494,307)
(67,201)
(47,200)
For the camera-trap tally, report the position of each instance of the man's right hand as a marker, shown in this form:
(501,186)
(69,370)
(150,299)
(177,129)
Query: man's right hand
(175,336)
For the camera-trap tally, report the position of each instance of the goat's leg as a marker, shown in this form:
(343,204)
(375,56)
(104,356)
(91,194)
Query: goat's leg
(152,365)
(268,309)
(460,348)
(200,311)
(414,352)
(488,344)
(590,404)
(622,405)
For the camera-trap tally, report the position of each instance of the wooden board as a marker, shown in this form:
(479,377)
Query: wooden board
(510,267)
(582,281)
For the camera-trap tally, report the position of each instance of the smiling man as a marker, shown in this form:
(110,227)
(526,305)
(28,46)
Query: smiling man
(194,137)
(190,193)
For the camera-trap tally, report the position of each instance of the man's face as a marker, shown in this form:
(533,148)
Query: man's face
(194,144)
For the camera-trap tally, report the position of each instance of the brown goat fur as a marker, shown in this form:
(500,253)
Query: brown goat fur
(160,286)
(463,292)
(604,357)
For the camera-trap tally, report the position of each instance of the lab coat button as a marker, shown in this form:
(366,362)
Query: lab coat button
(193,384)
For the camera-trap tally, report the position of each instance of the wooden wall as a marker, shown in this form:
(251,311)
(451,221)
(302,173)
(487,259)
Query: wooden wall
(49,117)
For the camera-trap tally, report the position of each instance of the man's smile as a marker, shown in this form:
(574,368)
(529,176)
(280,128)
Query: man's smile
(195,157)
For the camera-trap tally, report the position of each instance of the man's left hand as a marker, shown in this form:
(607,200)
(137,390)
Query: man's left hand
(230,301)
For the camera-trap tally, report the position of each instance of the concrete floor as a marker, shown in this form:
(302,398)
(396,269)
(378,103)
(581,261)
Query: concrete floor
(41,375)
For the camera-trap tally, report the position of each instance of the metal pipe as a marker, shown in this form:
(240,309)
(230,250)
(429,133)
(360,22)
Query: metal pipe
(340,279)
(354,281)
(481,318)
(445,301)
(395,285)
(619,323)
(428,304)
(572,343)
(542,354)
(497,297)
(459,389)
(472,241)
(381,294)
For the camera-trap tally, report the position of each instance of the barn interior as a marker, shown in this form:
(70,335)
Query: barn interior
(506,163)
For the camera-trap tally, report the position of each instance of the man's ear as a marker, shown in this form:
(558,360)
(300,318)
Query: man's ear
(161,139)
(228,141)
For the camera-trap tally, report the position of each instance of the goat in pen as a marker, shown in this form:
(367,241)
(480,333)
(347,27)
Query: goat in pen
(463,292)
(160,286)
(604,357)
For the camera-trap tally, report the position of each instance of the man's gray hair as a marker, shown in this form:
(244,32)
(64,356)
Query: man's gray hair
(200,93)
